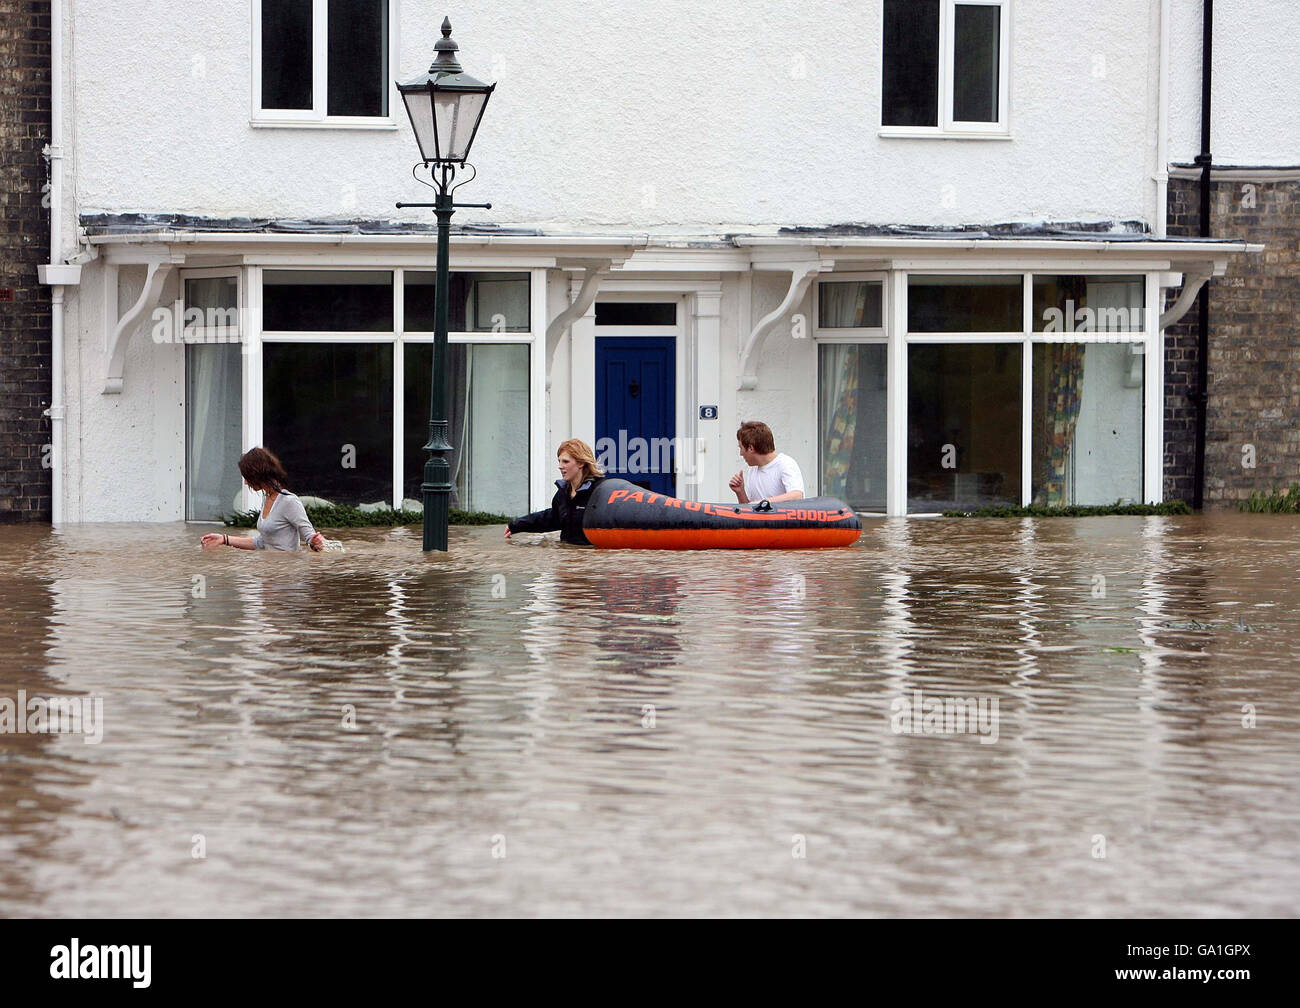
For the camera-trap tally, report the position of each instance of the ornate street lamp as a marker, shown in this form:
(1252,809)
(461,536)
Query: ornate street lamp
(445,106)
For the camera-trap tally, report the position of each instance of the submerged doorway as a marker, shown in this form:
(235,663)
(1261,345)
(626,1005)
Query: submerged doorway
(636,395)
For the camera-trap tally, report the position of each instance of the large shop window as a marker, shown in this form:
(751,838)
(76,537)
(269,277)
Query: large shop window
(851,421)
(1087,423)
(965,304)
(479,302)
(327,412)
(320,301)
(963,425)
(213,429)
(323,59)
(1089,304)
(944,66)
(489,396)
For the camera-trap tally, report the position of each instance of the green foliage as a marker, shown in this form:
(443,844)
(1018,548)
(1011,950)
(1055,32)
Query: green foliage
(1075,510)
(344,516)
(1280,502)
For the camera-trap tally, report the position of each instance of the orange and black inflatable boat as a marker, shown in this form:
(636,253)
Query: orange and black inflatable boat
(621,515)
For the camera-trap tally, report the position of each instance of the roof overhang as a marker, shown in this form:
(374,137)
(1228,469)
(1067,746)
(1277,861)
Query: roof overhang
(911,253)
(269,249)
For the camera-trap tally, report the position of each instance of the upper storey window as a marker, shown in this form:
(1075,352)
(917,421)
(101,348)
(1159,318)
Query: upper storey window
(945,67)
(322,62)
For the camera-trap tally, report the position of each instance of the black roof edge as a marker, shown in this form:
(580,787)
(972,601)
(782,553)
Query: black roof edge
(1129,230)
(143,223)
(1236,167)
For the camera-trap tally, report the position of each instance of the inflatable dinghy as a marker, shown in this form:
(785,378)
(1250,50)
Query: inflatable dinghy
(622,515)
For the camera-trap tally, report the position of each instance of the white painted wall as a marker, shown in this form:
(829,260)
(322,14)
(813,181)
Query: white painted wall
(786,396)
(1255,80)
(675,115)
(125,453)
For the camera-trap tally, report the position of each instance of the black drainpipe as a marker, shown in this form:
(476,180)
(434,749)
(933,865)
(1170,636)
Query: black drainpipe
(1202,391)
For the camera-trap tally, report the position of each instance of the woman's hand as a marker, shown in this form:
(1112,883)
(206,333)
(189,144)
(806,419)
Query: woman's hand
(212,540)
(508,533)
(317,542)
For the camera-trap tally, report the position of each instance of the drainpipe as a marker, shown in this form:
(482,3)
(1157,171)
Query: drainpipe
(57,274)
(1202,392)
(1162,126)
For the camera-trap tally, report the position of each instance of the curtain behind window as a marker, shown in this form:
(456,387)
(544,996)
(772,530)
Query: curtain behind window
(214,427)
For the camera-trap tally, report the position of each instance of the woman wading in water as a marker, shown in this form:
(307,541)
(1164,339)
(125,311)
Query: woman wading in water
(578,475)
(283,520)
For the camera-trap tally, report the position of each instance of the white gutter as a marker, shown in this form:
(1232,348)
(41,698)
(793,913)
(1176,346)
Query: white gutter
(170,236)
(56,274)
(1162,125)
(912,244)
(597,245)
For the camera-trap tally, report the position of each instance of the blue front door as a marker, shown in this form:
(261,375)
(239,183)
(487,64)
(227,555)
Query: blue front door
(635,399)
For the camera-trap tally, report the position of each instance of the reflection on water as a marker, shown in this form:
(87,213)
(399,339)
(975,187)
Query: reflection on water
(522,729)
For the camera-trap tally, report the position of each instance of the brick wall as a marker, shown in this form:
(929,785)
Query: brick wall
(24,243)
(1254,405)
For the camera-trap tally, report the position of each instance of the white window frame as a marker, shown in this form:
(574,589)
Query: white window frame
(1147,343)
(334,336)
(851,334)
(534,338)
(316,117)
(201,334)
(200,337)
(950,128)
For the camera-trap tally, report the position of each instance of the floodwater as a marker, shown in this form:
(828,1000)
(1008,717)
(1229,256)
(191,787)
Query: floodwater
(528,729)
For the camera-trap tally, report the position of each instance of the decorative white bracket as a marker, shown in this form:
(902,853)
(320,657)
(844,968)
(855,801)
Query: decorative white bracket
(801,278)
(593,271)
(1192,285)
(159,270)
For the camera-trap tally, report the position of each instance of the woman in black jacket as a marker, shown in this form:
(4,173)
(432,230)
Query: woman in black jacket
(578,475)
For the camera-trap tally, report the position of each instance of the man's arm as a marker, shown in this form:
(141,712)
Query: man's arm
(789,495)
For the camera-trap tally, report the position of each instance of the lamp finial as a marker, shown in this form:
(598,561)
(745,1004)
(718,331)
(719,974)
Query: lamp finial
(445,62)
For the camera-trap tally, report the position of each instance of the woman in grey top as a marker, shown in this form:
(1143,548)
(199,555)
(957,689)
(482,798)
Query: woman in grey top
(283,521)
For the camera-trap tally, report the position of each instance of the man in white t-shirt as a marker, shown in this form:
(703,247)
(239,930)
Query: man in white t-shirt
(768,474)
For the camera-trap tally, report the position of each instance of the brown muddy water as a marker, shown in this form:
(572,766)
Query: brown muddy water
(539,730)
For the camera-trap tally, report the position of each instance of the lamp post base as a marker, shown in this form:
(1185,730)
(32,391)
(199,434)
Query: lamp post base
(436,488)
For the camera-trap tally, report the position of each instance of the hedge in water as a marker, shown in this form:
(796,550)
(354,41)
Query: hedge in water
(1075,511)
(343,516)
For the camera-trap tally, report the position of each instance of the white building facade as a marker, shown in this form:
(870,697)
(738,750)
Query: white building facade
(924,241)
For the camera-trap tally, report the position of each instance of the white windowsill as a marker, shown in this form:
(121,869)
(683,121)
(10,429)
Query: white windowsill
(935,134)
(333,124)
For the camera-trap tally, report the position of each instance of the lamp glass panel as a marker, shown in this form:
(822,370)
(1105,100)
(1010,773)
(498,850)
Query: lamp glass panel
(419,106)
(456,116)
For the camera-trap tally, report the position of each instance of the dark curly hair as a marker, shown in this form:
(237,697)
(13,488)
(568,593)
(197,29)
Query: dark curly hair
(262,470)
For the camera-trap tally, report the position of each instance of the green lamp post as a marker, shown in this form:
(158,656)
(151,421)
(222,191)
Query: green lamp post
(445,107)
